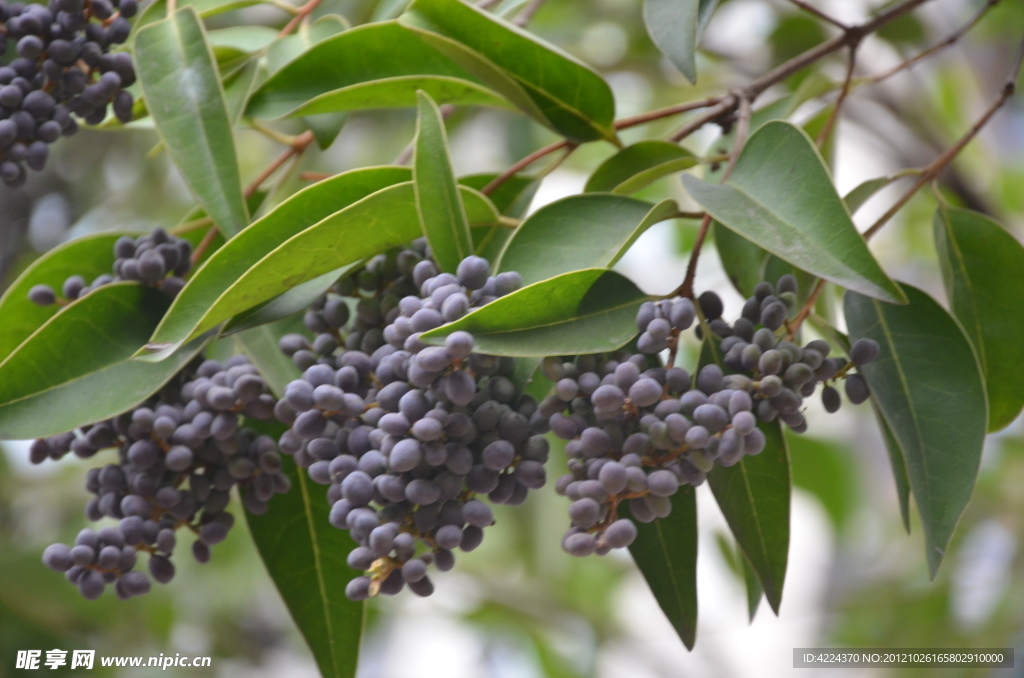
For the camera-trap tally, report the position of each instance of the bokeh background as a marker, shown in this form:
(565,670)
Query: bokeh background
(519,607)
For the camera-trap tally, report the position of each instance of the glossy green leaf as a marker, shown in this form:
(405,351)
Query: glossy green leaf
(754,496)
(665,551)
(90,256)
(183,92)
(438,200)
(304,554)
(298,298)
(582,231)
(638,165)
(780,197)
(676,27)
(982,266)
(238,87)
(373,66)
(898,461)
(546,83)
(44,393)
(248,39)
(588,311)
(300,211)
(929,387)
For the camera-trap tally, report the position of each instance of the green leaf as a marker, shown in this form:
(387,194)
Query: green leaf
(666,553)
(90,256)
(297,299)
(825,469)
(549,85)
(677,27)
(592,230)
(183,92)
(305,556)
(898,461)
(44,393)
(238,87)
(981,267)
(754,496)
(929,387)
(378,65)
(638,165)
(588,311)
(780,197)
(863,192)
(438,200)
(512,198)
(300,211)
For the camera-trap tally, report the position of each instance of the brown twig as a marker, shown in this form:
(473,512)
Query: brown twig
(525,162)
(315,176)
(660,113)
(936,167)
(203,245)
(949,40)
(724,106)
(843,93)
(303,12)
(298,146)
(742,129)
(793,327)
(818,13)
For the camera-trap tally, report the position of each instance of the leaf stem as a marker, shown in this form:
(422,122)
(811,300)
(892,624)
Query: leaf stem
(525,162)
(298,146)
(937,166)
(742,129)
(301,14)
(843,93)
(818,13)
(949,40)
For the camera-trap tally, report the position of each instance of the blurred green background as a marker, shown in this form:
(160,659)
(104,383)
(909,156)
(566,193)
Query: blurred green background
(518,606)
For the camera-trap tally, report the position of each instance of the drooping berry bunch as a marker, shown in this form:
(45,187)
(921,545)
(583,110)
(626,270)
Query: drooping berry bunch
(179,455)
(156,259)
(63,66)
(636,431)
(408,436)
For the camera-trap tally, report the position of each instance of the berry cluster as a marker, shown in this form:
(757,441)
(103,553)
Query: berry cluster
(179,455)
(637,431)
(63,66)
(157,259)
(408,435)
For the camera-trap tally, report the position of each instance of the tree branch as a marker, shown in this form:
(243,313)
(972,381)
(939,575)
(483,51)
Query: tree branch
(818,13)
(837,111)
(303,12)
(936,167)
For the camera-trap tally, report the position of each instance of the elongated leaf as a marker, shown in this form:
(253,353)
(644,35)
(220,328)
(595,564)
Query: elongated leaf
(676,27)
(826,470)
(438,201)
(304,554)
(981,267)
(296,299)
(742,260)
(929,387)
(546,83)
(898,461)
(666,553)
(238,87)
(754,496)
(43,392)
(582,231)
(90,257)
(638,165)
(179,79)
(373,66)
(307,207)
(588,311)
(780,197)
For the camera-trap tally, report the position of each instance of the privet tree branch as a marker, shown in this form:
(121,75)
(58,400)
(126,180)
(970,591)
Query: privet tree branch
(843,93)
(807,7)
(936,167)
